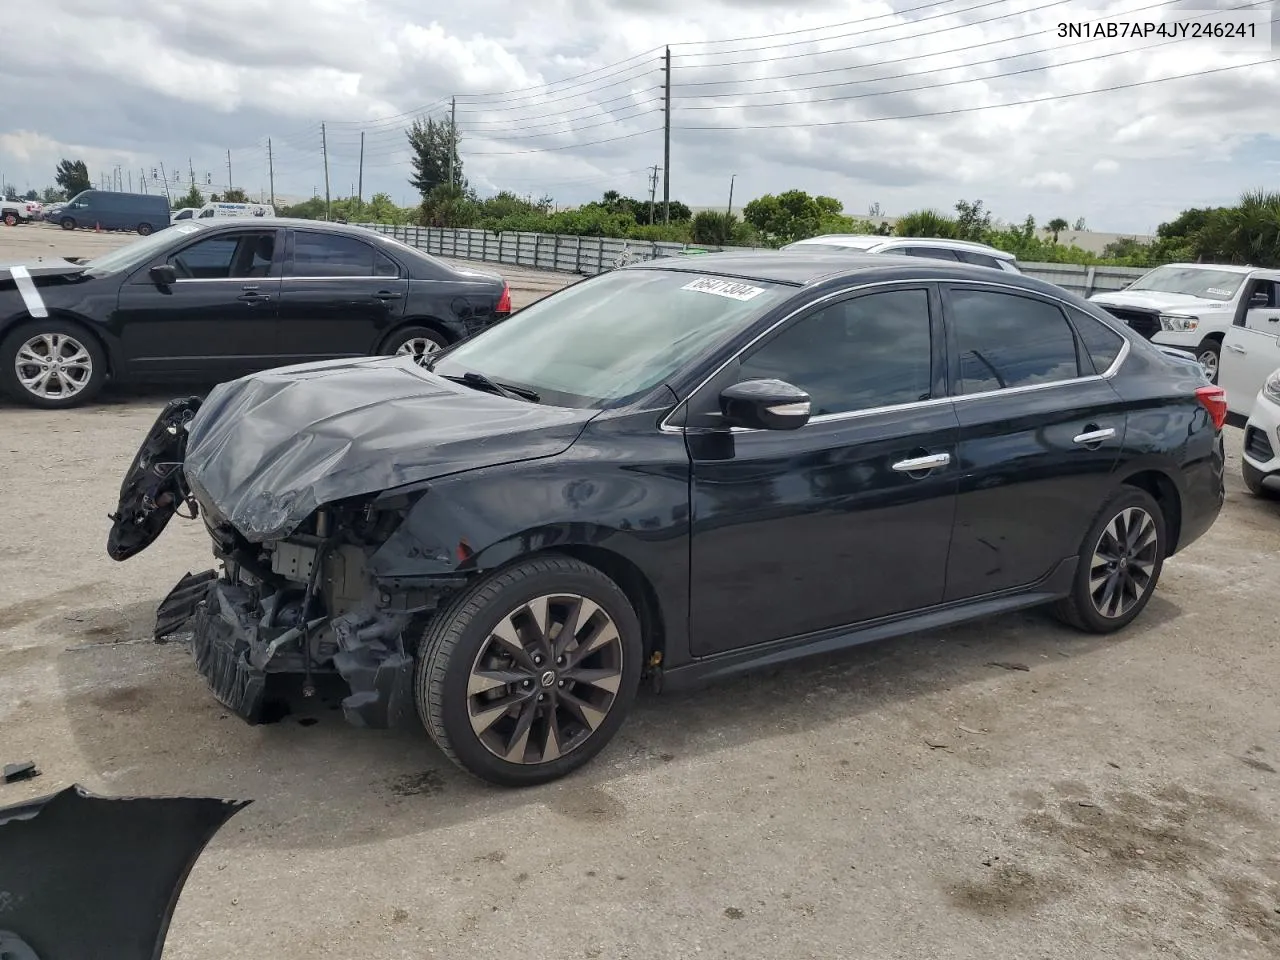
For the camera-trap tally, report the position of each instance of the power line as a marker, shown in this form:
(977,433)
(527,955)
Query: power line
(989,106)
(570,146)
(827,26)
(929,86)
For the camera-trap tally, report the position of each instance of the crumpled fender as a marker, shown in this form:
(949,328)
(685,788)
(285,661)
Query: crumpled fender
(84,876)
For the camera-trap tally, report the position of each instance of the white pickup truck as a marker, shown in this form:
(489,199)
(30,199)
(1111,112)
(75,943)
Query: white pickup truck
(14,212)
(1191,306)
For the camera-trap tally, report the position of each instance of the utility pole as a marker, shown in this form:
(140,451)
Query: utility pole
(729,212)
(142,178)
(324,149)
(191,169)
(228,171)
(360,175)
(453,136)
(164,178)
(666,143)
(131,181)
(653,189)
(271,172)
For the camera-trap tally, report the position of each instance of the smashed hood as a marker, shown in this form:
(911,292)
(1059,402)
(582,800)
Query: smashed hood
(264,451)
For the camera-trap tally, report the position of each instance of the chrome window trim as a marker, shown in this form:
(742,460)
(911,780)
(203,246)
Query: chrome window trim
(1111,371)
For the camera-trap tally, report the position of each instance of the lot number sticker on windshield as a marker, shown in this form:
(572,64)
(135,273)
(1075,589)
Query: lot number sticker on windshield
(724,288)
(1217,292)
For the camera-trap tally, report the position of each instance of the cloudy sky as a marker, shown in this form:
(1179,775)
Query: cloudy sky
(870,101)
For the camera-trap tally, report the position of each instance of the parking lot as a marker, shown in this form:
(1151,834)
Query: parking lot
(1006,789)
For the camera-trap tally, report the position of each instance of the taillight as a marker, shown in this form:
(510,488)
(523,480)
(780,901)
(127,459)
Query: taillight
(504,301)
(1214,399)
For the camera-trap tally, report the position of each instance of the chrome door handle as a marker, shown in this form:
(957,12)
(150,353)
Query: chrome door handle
(1095,436)
(1236,348)
(916,464)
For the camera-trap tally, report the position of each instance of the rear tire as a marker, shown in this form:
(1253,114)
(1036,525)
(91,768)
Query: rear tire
(144,229)
(567,693)
(80,378)
(417,342)
(1121,558)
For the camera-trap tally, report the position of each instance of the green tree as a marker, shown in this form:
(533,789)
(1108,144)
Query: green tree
(233,195)
(1055,227)
(972,221)
(52,195)
(31,195)
(795,215)
(10,192)
(446,206)
(381,209)
(926,223)
(73,176)
(710,226)
(432,143)
(192,198)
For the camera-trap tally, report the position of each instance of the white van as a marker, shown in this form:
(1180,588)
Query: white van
(234,210)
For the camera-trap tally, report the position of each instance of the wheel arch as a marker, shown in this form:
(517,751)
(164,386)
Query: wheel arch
(109,348)
(1162,488)
(430,322)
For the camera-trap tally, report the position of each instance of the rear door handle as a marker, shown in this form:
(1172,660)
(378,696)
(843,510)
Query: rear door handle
(386,295)
(1236,348)
(916,464)
(1095,436)
(252,298)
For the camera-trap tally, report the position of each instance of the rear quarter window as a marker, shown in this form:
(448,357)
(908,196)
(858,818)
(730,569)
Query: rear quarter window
(1102,343)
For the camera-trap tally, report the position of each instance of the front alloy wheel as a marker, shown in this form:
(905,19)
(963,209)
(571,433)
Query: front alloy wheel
(52,365)
(531,671)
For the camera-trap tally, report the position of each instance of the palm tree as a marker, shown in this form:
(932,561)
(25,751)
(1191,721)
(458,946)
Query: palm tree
(1056,226)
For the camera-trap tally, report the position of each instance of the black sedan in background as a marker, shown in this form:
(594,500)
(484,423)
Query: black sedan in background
(676,470)
(204,301)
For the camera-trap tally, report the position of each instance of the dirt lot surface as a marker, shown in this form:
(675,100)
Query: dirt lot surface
(1008,789)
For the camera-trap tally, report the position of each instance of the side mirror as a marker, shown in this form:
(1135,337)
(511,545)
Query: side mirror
(1259,299)
(765,405)
(163,275)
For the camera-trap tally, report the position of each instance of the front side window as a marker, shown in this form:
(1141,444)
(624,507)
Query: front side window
(860,354)
(226,257)
(1005,340)
(331,255)
(614,336)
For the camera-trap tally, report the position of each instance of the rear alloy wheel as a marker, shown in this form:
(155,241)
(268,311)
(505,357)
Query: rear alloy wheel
(1209,353)
(52,365)
(1120,563)
(417,342)
(529,674)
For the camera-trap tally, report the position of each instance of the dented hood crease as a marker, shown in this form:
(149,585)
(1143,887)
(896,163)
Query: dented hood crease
(266,450)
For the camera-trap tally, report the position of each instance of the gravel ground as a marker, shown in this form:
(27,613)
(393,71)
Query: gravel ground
(1009,788)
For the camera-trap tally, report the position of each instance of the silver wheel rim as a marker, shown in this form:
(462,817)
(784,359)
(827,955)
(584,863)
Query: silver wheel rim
(419,348)
(1124,562)
(53,366)
(545,679)
(1209,360)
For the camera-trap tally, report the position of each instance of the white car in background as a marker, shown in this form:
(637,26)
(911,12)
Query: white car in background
(978,254)
(1250,376)
(1191,306)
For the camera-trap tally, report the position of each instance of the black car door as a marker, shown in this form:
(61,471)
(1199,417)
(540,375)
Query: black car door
(340,296)
(1040,433)
(217,319)
(847,518)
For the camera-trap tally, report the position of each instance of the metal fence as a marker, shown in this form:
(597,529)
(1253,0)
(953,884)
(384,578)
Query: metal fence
(592,255)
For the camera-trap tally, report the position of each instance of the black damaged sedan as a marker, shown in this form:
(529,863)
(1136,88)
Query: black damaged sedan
(207,300)
(670,473)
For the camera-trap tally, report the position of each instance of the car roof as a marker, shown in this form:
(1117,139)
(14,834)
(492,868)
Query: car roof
(868,240)
(802,267)
(1220,267)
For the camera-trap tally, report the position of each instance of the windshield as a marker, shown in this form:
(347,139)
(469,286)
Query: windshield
(612,337)
(1206,284)
(132,254)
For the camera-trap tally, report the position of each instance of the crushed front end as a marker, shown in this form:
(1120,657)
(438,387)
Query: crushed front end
(306,605)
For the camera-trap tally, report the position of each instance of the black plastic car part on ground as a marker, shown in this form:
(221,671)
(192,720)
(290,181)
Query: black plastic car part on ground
(204,301)
(89,876)
(678,471)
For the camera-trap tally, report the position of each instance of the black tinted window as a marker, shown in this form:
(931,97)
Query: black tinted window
(1010,341)
(329,255)
(1102,343)
(234,256)
(872,351)
(384,266)
(932,253)
(978,259)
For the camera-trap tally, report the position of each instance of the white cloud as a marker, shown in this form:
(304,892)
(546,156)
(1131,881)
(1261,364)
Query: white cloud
(153,82)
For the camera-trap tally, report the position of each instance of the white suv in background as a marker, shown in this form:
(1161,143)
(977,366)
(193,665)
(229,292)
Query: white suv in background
(978,254)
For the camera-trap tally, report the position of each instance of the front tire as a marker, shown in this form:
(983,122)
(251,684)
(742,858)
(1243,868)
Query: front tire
(1120,562)
(52,365)
(11,219)
(1209,353)
(530,672)
(417,342)
(67,223)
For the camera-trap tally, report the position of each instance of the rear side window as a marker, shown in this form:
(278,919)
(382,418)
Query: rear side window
(931,253)
(1004,341)
(1102,343)
(978,259)
(331,255)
